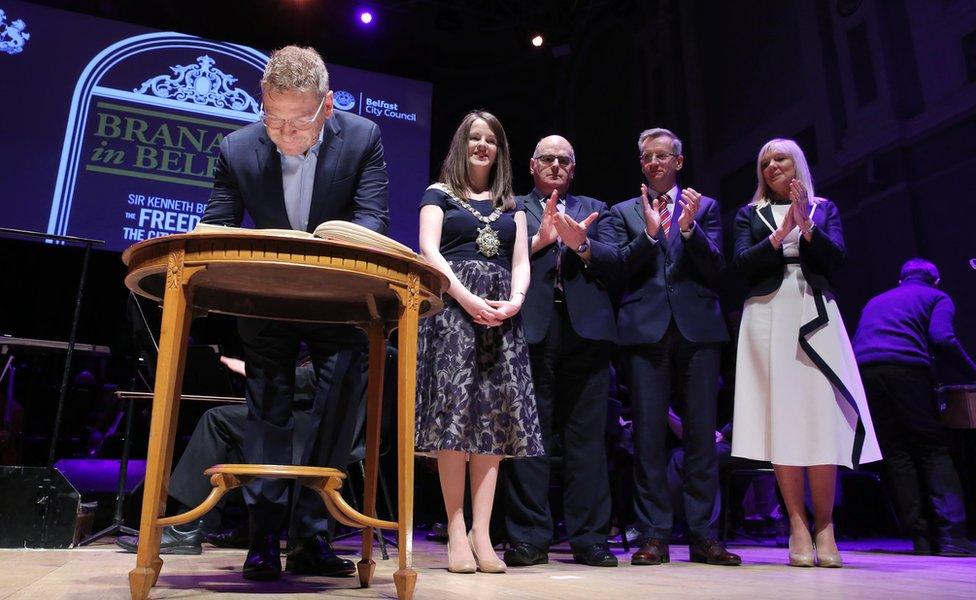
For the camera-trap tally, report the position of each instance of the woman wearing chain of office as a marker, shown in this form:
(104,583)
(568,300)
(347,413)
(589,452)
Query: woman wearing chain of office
(475,400)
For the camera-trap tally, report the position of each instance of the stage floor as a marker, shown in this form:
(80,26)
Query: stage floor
(99,572)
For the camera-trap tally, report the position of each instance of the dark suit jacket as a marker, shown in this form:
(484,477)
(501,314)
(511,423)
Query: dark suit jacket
(350,178)
(585,286)
(675,278)
(762,265)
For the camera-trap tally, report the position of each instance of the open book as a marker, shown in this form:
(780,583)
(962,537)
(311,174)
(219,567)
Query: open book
(340,231)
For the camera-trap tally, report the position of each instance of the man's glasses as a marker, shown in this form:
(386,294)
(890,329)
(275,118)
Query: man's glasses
(548,159)
(662,157)
(298,123)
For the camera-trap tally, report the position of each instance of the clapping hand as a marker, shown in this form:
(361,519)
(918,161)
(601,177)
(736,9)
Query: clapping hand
(651,216)
(800,207)
(547,228)
(570,232)
(690,200)
(784,229)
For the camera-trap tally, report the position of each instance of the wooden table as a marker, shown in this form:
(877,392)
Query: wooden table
(255,275)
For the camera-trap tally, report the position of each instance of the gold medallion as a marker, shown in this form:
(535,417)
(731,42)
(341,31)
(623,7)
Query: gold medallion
(488,242)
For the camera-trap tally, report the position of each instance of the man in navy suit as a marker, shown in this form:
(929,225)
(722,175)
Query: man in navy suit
(570,328)
(301,165)
(671,327)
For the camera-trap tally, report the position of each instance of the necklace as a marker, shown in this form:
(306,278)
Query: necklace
(487,240)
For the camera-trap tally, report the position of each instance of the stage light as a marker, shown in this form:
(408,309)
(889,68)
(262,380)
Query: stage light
(537,41)
(365,17)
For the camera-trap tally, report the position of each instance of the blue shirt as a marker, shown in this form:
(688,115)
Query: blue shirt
(297,180)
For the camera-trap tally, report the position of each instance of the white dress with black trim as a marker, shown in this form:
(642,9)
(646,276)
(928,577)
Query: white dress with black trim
(798,395)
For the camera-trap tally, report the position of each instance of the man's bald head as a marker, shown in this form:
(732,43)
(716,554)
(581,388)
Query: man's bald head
(552,165)
(554,141)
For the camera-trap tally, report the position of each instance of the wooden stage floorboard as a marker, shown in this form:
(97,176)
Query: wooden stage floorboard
(99,572)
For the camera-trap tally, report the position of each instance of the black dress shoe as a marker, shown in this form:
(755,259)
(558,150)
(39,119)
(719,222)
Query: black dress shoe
(712,552)
(597,555)
(437,533)
(173,541)
(263,561)
(954,547)
(524,554)
(236,537)
(653,552)
(921,546)
(315,556)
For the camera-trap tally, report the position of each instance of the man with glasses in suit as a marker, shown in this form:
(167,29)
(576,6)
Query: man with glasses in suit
(570,328)
(301,165)
(671,327)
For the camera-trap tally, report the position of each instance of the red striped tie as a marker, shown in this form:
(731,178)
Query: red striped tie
(665,212)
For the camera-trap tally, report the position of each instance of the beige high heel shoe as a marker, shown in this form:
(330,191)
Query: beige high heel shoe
(801,557)
(830,560)
(486,564)
(459,566)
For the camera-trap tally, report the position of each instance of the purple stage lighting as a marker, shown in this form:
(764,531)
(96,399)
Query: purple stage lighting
(365,17)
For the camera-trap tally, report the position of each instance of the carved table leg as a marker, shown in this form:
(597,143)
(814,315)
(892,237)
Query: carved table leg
(162,431)
(406,578)
(374,409)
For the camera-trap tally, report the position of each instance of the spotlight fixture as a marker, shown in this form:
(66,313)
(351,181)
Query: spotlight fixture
(537,41)
(365,17)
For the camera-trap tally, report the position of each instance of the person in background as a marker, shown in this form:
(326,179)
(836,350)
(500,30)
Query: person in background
(901,333)
(219,438)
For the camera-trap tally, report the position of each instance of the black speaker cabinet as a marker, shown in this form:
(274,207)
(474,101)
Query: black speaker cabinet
(38,508)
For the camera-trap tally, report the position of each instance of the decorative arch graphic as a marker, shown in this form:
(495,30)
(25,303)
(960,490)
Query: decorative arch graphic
(203,89)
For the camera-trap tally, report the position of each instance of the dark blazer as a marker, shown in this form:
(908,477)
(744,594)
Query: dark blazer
(762,265)
(585,286)
(350,178)
(674,278)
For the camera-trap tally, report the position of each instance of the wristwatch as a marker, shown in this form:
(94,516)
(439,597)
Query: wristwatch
(582,248)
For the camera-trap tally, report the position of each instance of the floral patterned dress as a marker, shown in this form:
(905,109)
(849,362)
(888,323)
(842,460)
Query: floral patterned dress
(474,386)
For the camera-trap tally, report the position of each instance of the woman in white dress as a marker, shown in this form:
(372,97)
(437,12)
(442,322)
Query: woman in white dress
(799,401)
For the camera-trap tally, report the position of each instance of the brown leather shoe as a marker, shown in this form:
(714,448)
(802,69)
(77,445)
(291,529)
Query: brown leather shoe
(712,552)
(653,552)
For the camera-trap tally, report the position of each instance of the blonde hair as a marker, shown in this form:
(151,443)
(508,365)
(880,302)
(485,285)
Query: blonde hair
(454,171)
(763,194)
(293,68)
